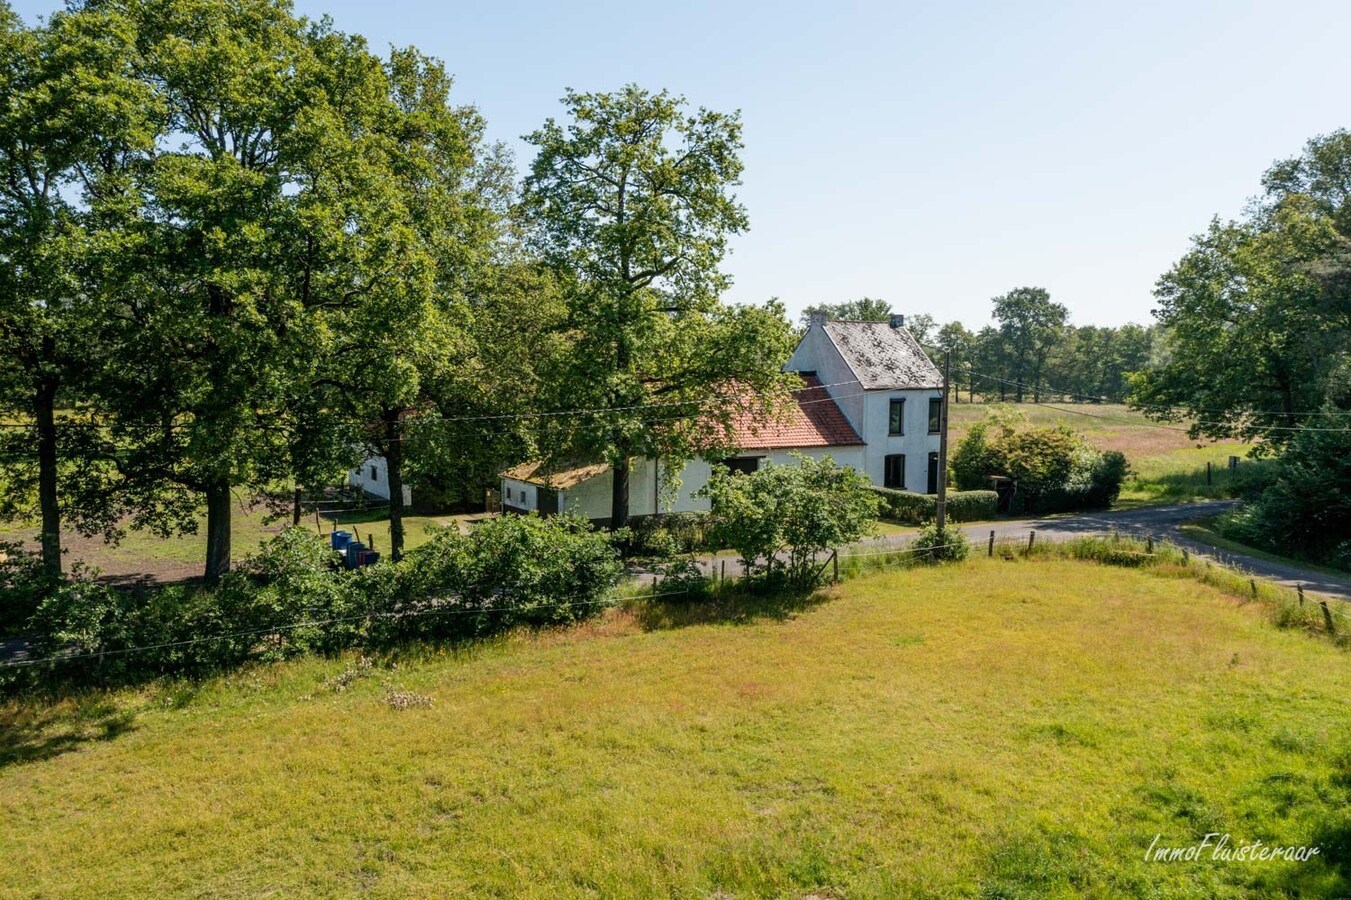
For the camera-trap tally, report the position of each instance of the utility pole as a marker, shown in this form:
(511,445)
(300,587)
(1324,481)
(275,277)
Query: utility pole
(943,446)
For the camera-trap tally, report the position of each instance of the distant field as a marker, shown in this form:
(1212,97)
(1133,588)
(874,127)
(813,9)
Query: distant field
(1167,466)
(182,557)
(997,729)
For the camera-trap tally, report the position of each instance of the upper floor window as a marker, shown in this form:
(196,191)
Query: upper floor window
(935,414)
(896,421)
(375,474)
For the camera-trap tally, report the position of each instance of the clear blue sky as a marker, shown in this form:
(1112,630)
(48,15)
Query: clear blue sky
(926,154)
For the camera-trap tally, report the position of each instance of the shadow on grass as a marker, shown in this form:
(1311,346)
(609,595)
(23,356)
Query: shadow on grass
(730,607)
(25,737)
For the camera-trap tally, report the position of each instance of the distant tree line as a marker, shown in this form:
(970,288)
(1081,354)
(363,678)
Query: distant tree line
(1030,351)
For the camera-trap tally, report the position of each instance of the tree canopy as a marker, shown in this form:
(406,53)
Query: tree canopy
(631,203)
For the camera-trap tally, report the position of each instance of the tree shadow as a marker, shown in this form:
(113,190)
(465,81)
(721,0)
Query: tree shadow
(727,607)
(26,737)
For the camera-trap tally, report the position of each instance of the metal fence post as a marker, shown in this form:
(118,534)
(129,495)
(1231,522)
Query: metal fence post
(991,542)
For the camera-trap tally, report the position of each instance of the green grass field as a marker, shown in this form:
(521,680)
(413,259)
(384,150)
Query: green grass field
(999,729)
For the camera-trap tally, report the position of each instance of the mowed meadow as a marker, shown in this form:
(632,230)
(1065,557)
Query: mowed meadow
(1002,728)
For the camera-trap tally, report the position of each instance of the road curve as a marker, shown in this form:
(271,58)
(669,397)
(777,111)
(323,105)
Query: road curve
(1162,522)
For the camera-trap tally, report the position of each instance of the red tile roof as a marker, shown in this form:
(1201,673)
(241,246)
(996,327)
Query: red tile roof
(815,421)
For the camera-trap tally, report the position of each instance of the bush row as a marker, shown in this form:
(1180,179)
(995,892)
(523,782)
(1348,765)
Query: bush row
(290,599)
(917,509)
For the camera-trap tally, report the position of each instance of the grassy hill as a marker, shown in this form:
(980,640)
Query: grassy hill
(1000,728)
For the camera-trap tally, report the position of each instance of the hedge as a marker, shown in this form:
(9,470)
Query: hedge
(917,509)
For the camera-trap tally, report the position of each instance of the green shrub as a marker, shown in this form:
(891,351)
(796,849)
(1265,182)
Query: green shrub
(1055,468)
(795,511)
(23,584)
(917,509)
(1305,509)
(948,545)
(681,581)
(907,507)
(288,598)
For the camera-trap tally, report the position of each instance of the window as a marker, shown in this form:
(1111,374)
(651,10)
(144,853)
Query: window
(743,464)
(896,425)
(375,474)
(893,475)
(508,493)
(935,414)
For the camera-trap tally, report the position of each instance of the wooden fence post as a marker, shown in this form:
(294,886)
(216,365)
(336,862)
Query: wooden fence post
(1327,616)
(1208,477)
(835,562)
(1300,588)
(991,543)
(723,580)
(1252,583)
(1149,543)
(1031,539)
(1186,559)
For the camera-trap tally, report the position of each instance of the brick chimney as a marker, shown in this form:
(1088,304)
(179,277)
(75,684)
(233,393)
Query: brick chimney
(897,320)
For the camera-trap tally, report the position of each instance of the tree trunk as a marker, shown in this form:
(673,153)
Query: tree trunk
(619,501)
(217,530)
(44,407)
(394,468)
(295,509)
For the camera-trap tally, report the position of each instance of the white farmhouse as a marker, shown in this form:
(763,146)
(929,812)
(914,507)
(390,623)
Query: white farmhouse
(870,398)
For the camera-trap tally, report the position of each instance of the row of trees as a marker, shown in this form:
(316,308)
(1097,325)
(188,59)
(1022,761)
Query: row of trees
(239,250)
(1030,351)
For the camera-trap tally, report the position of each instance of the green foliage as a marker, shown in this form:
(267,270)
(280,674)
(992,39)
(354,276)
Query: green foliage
(1030,328)
(632,203)
(1056,469)
(781,516)
(947,545)
(681,581)
(24,581)
(864,309)
(289,599)
(1305,509)
(916,509)
(1256,314)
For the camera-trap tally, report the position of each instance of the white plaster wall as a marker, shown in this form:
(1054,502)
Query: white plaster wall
(522,495)
(916,443)
(817,353)
(377,485)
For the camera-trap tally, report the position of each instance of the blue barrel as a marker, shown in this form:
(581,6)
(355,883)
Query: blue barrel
(354,551)
(340,539)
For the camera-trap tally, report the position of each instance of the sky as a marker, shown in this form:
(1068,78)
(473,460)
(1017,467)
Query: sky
(931,154)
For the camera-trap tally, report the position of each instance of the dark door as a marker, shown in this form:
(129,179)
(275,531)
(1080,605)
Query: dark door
(548,502)
(933,473)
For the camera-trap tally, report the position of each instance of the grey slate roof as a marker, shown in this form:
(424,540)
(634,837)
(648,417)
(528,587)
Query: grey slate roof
(883,358)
